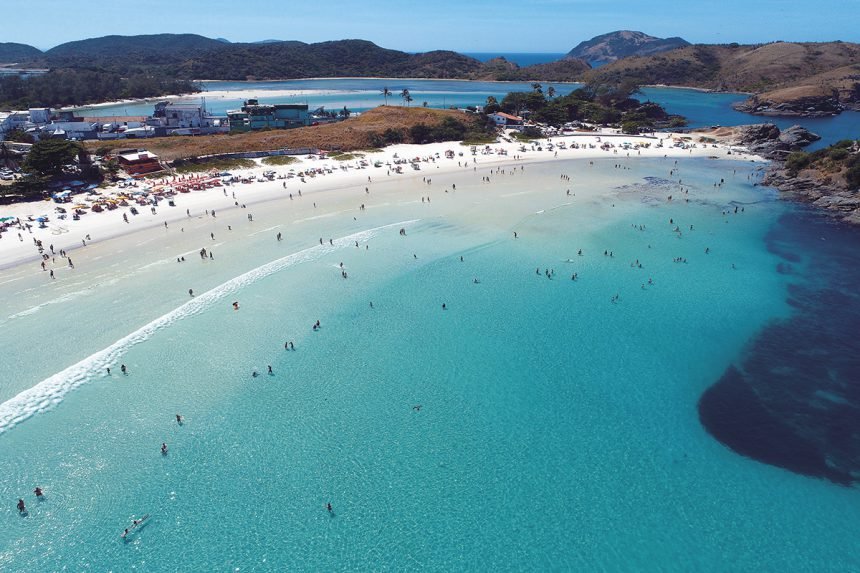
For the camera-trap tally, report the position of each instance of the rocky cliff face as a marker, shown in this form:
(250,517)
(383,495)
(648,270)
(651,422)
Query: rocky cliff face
(767,140)
(809,186)
(811,106)
(823,190)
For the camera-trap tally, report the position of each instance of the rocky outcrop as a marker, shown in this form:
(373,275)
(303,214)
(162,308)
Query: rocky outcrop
(767,140)
(797,136)
(810,187)
(812,106)
(828,192)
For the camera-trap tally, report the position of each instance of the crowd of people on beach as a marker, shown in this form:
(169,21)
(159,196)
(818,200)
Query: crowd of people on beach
(49,254)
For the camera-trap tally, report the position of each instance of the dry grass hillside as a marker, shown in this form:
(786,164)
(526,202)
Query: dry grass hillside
(734,67)
(844,80)
(351,134)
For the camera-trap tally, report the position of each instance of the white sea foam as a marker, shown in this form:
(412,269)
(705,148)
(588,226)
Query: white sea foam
(51,391)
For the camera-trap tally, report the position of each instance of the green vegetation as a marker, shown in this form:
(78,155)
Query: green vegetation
(53,157)
(279,160)
(529,133)
(479,138)
(19,136)
(842,158)
(449,129)
(66,87)
(345,156)
(52,161)
(198,165)
(594,103)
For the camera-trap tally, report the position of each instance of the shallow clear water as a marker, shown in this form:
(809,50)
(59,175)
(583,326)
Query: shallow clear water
(556,429)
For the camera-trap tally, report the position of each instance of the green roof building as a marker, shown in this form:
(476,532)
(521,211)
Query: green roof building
(255,116)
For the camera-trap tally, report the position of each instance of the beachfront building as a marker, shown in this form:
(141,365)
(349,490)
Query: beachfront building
(40,115)
(254,116)
(77,130)
(12,120)
(138,162)
(178,118)
(506,120)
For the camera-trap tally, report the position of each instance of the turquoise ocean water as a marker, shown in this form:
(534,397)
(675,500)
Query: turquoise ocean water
(534,424)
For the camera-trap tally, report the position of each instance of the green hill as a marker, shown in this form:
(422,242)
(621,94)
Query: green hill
(325,59)
(12,53)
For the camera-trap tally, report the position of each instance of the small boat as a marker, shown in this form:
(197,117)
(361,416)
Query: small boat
(135,523)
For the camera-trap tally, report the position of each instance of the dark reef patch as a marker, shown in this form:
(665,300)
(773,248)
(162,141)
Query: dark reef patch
(794,401)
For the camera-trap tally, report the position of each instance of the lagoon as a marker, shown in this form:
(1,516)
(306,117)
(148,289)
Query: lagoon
(702,109)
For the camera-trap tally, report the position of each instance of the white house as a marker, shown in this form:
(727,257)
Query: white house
(12,120)
(502,119)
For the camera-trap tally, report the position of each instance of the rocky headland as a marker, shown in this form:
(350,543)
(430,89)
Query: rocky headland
(828,178)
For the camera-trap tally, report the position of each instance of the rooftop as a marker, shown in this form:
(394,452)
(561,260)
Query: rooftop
(138,156)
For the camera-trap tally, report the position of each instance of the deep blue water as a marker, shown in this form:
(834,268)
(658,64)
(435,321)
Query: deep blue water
(793,400)
(519,58)
(705,109)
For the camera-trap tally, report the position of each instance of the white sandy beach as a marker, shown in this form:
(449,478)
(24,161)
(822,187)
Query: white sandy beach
(335,177)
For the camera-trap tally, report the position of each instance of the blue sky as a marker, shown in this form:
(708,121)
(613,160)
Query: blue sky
(465,26)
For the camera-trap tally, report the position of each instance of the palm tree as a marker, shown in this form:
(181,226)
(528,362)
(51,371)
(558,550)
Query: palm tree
(385,93)
(537,87)
(550,92)
(406,97)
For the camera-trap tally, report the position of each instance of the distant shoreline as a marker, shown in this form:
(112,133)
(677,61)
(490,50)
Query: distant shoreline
(220,93)
(383,78)
(703,90)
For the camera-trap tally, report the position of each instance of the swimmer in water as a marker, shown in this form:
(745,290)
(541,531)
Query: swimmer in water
(163,449)
(38,491)
(191,292)
(270,370)
(179,419)
(21,507)
(236,305)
